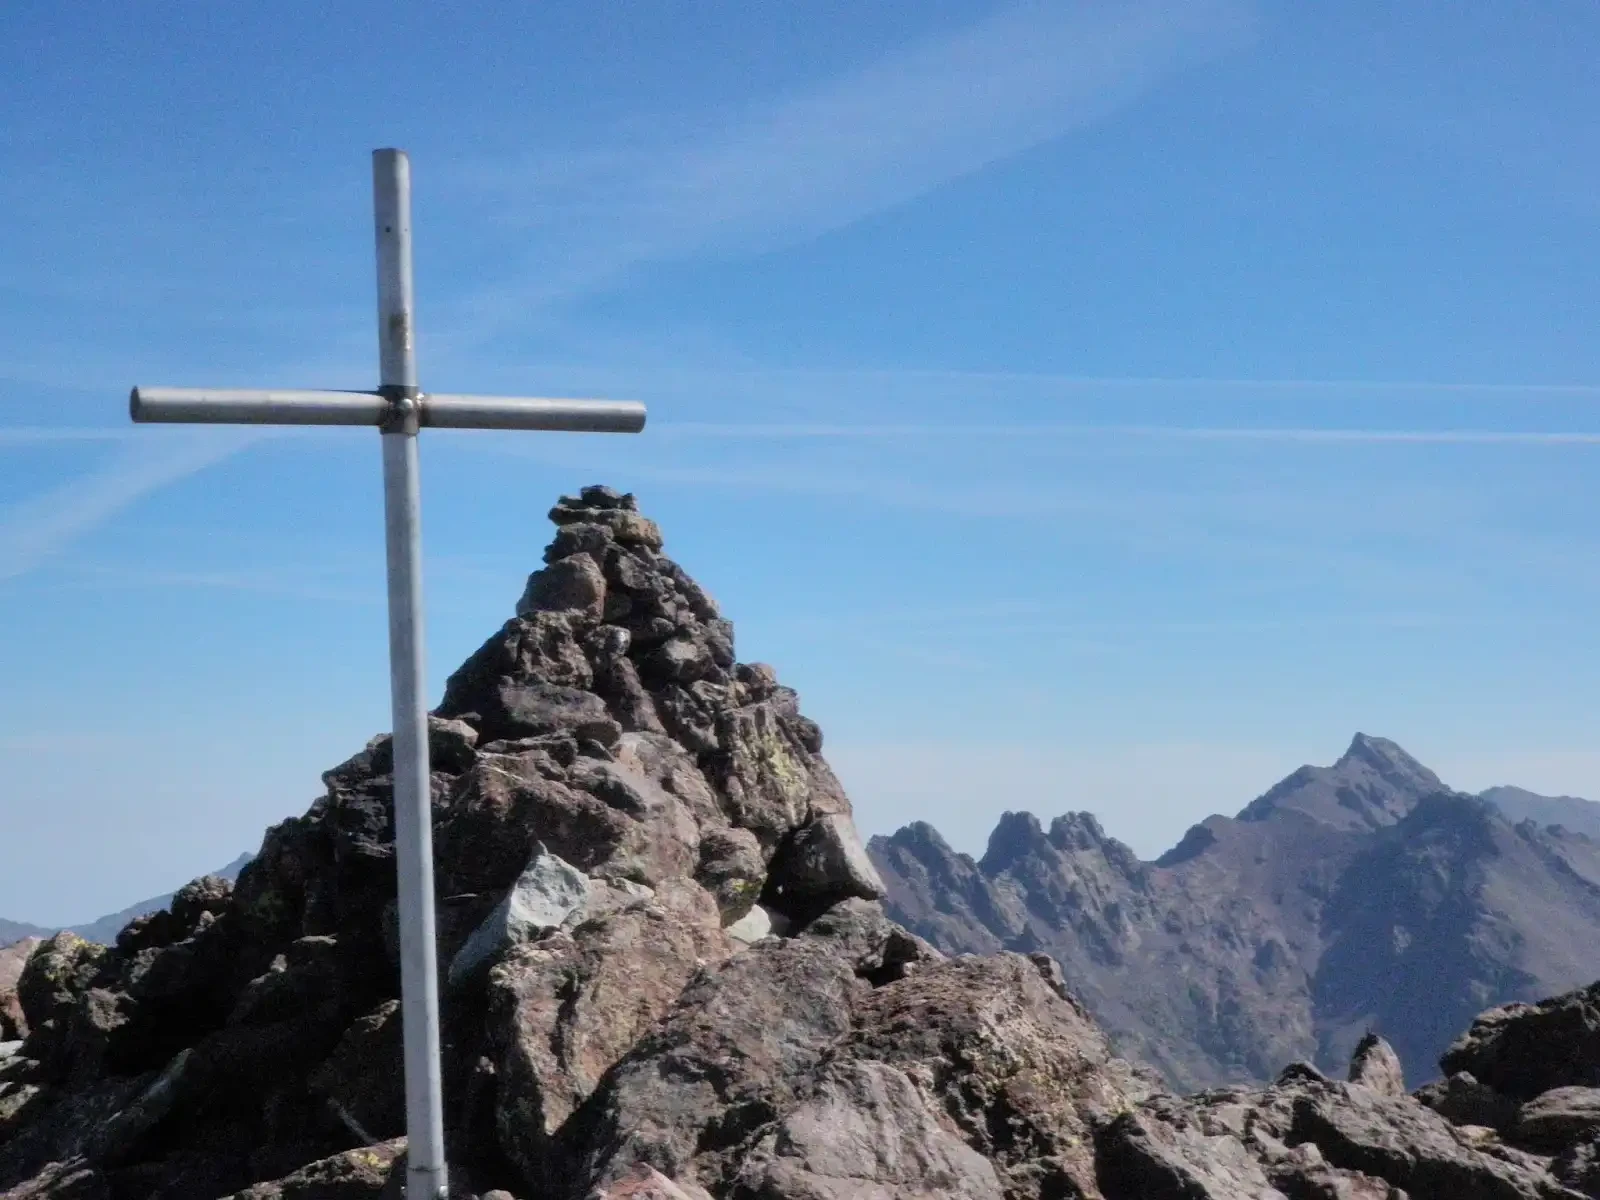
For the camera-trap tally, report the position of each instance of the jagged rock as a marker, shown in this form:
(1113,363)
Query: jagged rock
(564,1009)
(759,761)
(662,838)
(822,864)
(1507,1048)
(539,709)
(206,896)
(865,1132)
(1139,1156)
(732,869)
(574,584)
(450,750)
(13,958)
(362,1080)
(646,1183)
(507,802)
(625,525)
(1558,1117)
(71,1180)
(1462,1100)
(59,974)
(359,1174)
(548,891)
(56,974)
(1578,1166)
(752,927)
(726,1058)
(1377,1066)
(120,1135)
(1412,1148)
(1022,1049)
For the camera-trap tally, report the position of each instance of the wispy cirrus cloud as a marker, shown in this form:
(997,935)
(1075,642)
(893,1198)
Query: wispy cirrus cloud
(35,529)
(34,435)
(796,166)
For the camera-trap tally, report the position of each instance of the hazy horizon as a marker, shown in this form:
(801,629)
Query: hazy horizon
(912,772)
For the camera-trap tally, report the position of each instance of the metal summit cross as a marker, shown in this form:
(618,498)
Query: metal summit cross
(398,408)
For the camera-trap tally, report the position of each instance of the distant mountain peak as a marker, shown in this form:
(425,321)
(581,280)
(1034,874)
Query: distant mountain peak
(1386,756)
(1077,831)
(1364,894)
(1016,835)
(1373,784)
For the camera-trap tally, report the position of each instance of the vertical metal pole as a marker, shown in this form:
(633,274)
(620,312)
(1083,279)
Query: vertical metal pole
(413,818)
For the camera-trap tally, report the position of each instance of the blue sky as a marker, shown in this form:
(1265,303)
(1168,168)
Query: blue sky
(1103,406)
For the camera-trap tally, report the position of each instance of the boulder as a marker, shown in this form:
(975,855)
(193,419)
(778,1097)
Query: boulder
(865,1132)
(13,1022)
(362,1080)
(823,863)
(573,584)
(1578,1166)
(545,895)
(732,868)
(564,1009)
(1462,1100)
(1508,1048)
(752,927)
(1559,1117)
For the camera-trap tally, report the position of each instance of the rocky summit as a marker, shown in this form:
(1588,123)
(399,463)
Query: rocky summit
(1361,896)
(666,973)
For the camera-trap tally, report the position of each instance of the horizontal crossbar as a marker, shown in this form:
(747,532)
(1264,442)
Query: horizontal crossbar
(212,406)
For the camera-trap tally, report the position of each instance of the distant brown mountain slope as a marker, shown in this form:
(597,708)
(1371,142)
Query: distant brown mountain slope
(1570,812)
(1361,895)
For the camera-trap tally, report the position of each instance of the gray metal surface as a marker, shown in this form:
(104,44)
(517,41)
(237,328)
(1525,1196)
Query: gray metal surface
(504,412)
(413,801)
(391,210)
(398,409)
(224,406)
(243,406)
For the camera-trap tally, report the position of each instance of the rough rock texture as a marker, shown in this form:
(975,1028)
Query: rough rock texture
(1362,896)
(613,795)
(105,929)
(1377,1066)
(13,1024)
(1509,1048)
(545,896)
(1558,1117)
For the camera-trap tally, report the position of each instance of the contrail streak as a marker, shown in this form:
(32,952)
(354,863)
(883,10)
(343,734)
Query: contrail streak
(1153,432)
(34,529)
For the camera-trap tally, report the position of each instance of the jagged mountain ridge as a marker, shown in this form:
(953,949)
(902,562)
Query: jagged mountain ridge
(1362,895)
(1569,812)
